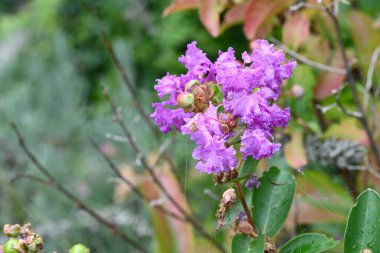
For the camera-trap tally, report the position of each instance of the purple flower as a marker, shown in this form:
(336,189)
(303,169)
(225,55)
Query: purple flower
(210,117)
(214,157)
(232,75)
(256,111)
(168,85)
(167,118)
(253,182)
(203,126)
(268,63)
(256,143)
(195,60)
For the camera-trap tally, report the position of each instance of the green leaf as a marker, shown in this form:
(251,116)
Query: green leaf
(244,244)
(363,226)
(217,93)
(272,200)
(257,245)
(249,166)
(240,243)
(308,243)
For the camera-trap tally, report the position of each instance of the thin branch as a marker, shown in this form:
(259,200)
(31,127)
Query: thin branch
(247,210)
(123,73)
(371,70)
(125,180)
(343,109)
(56,184)
(307,61)
(132,142)
(302,5)
(32,178)
(351,82)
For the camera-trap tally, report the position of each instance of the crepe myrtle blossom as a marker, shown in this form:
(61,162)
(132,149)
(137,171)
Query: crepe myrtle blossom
(225,102)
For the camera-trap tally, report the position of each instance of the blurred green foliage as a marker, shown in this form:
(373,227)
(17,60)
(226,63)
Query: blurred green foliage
(52,63)
(51,67)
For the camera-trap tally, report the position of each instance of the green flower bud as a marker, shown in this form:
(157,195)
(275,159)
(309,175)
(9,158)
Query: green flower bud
(185,100)
(191,84)
(34,243)
(79,248)
(11,246)
(11,230)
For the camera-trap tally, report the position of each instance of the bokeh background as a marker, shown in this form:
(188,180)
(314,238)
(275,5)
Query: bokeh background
(52,66)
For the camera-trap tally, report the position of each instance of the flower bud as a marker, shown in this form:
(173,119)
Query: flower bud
(79,248)
(11,230)
(200,94)
(297,91)
(185,100)
(245,228)
(229,197)
(11,246)
(31,242)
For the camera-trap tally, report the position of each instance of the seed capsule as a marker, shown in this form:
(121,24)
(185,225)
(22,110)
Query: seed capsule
(185,100)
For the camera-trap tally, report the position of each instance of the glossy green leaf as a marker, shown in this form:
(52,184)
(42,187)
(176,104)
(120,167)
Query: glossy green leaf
(308,243)
(257,245)
(244,244)
(272,200)
(249,166)
(363,226)
(240,244)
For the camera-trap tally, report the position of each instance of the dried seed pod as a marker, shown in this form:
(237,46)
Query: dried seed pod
(229,197)
(11,230)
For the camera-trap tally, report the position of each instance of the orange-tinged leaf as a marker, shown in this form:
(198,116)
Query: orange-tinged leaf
(185,239)
(122,190)
(316,48)
(162,229)
(347,129)
(209,14)
(259,11)
(296,30)
(180,5)
(366,38)
(328,81)
(294,151)
(234,15)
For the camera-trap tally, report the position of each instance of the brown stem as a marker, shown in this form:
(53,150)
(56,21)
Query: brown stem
(125,180)
(244,203)
(351,82)
(123,73)
(128,134)
(81,205)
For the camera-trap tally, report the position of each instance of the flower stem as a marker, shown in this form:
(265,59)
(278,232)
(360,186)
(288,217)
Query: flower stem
(244,203)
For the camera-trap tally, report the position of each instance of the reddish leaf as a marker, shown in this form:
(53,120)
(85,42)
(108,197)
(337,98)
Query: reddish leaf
(329,81)
(209,14)
(122,191)
(294,151)
(179,5)
(316,48)
(185,239)
(259,11)
(296,30)
(235,15)
(365,38)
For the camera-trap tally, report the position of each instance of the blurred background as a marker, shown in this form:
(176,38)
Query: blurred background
(52,62)
(52,66)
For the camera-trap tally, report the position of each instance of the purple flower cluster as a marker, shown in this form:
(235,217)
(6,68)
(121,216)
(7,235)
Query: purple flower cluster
(226,101)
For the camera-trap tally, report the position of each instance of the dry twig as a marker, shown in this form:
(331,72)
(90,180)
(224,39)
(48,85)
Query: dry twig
(80,204)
